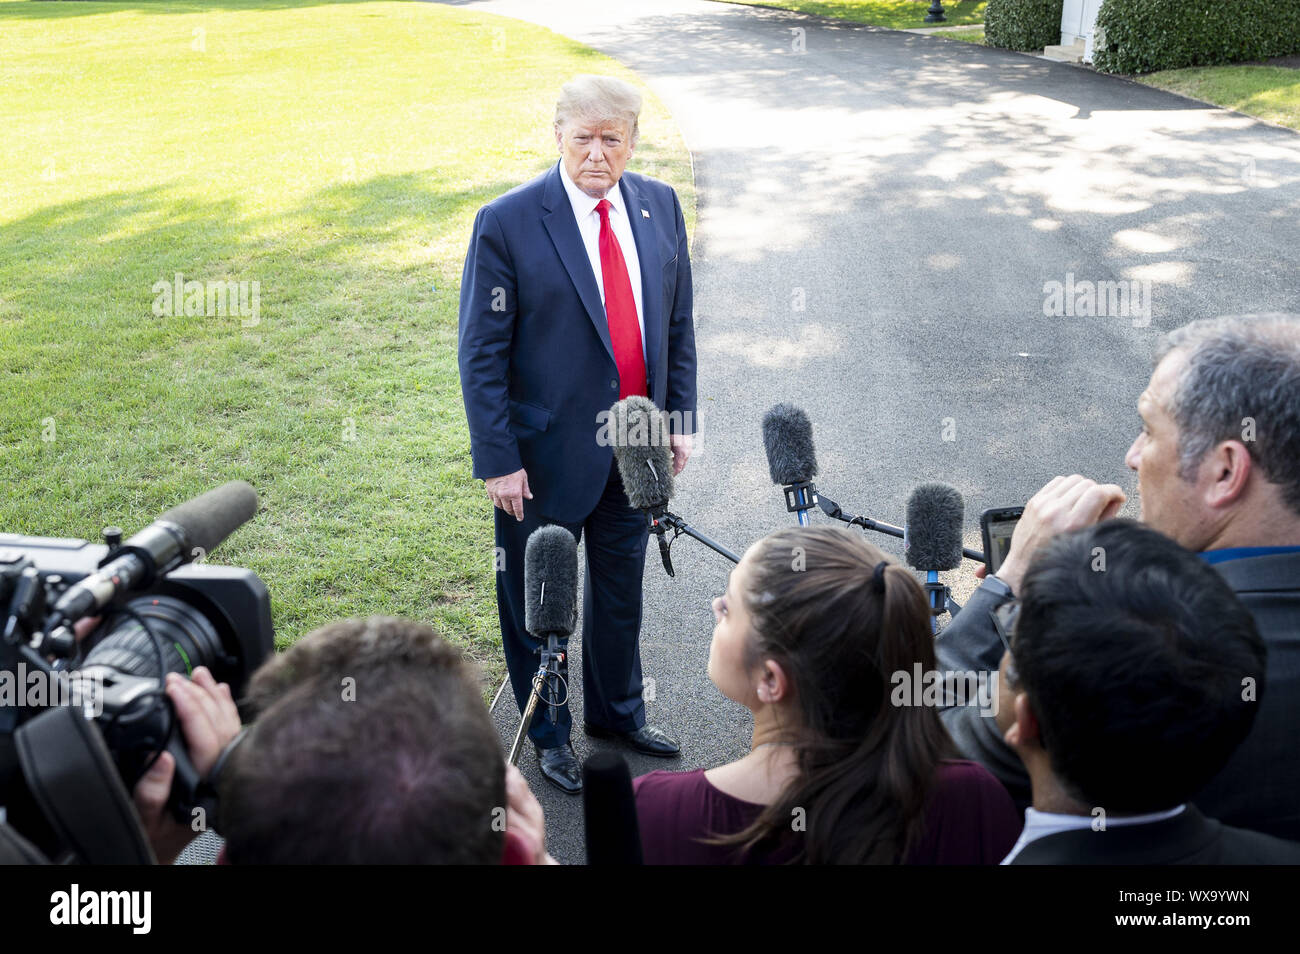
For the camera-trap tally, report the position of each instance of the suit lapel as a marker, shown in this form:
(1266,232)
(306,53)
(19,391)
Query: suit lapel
(652,286)
(558,219)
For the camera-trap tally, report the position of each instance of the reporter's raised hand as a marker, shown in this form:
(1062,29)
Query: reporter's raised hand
(1064,504)
(509,492)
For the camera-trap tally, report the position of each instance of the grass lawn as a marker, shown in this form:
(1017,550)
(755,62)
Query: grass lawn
(896,14)
(333,154)
(965,36)
(1269,92)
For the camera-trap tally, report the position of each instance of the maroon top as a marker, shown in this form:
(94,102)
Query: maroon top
(969,819)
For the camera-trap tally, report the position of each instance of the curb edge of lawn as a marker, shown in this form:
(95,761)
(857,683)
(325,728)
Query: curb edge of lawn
(1131,77)
(824,18)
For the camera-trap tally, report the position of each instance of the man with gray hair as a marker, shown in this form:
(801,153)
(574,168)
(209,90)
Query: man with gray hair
(1218,464)
(576,294)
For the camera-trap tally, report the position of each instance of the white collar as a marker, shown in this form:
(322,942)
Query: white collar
(1041,824)
(1035,818)
(583,204)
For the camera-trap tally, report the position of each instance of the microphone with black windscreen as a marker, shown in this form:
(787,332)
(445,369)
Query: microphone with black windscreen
(550,614)
(791,458)
(645,465)
(932,539)
(609,811)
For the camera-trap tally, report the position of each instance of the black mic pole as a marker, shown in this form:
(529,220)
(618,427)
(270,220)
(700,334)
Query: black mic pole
(832,509)
(681,526)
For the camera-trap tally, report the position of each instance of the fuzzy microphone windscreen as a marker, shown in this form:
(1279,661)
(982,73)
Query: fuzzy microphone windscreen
(642,452)
(788,440)
(933,528)
(551,581)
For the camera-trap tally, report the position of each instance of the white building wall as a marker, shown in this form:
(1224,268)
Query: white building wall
(1078,21)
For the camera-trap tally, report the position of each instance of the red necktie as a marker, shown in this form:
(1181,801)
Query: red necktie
(620,310)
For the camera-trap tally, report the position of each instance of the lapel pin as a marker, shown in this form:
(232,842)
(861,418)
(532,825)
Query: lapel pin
(645,213)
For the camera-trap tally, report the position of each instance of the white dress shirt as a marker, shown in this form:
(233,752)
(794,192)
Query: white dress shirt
(584,211)
(1041,824)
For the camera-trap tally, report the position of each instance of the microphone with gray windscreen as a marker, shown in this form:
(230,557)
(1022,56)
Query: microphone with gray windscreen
(645,465)
(791,459)
(211,517)
(551,582)
(550,614)
(642,452)
(934,518)
(932,537)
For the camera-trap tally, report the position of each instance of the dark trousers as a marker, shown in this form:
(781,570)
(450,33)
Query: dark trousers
(616,538)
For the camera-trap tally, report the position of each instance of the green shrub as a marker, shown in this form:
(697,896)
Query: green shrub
(1022,24)
(1141,36)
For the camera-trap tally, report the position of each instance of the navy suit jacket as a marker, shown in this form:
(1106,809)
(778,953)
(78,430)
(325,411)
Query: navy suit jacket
(536,364)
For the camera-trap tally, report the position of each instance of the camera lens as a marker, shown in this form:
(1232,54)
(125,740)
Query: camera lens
(188,639)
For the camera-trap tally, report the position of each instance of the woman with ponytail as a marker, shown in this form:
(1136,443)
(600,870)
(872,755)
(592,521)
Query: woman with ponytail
(812,629)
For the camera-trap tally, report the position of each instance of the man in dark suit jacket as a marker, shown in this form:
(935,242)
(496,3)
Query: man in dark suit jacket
(576,293)
(1128,683)
(1188,838)
(1218,464)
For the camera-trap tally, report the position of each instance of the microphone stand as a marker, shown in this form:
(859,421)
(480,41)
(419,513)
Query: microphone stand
(654,519)
(660,520)
(937,594)
(548,674)
(799,498)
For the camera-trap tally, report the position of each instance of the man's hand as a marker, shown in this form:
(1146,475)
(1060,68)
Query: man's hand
(508,492)
(84,627)
(1065,504)
(209,722)
(681,445)
(524,816)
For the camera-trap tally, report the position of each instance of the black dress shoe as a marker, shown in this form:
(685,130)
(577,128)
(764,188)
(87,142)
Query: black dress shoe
(648,739)
(560,766)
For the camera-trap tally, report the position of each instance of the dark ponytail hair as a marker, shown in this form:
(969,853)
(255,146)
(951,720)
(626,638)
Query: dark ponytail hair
(840,629)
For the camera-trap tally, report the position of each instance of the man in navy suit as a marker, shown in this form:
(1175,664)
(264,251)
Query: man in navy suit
(577,293)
